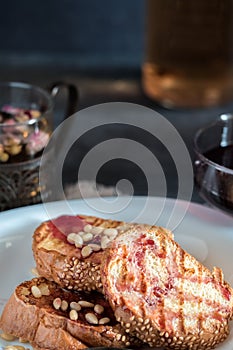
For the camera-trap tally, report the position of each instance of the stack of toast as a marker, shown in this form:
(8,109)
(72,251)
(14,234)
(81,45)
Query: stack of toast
(115,284)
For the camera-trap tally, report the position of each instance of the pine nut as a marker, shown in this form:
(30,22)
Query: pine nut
(73,315)
(111,232)
(104,320)
(85,303)
(86,251)
(95,247)
(87,237)
(99,309)
(87,228)
(96,230)
(7,337)
(78,241)
(75,306)
(44,288)
(104,242)
(36,292)
(57,303)
(91,318)
(71,237)
(64,305)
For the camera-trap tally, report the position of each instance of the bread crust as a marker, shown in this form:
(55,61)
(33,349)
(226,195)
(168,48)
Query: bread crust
(61,262)
(36,320)
(163,295)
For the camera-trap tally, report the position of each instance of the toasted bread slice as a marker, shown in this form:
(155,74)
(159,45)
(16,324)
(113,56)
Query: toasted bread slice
(53,318)
(163,295)
(71,261)
(59,259)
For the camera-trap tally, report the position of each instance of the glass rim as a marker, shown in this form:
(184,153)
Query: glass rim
(221,119)
(26,86)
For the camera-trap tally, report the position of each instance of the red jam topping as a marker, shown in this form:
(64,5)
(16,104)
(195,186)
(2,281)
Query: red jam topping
(65,224)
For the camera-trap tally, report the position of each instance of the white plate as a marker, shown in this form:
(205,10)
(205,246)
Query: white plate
(203,232)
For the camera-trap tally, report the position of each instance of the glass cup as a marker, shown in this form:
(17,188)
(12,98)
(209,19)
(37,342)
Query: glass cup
(188,52)
(213,166)
(26,123)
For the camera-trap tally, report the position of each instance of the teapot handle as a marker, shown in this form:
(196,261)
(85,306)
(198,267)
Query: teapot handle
(72,96)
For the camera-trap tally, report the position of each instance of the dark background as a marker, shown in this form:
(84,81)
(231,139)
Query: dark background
(83,34)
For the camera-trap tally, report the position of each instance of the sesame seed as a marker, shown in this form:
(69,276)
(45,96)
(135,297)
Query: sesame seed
(123,338)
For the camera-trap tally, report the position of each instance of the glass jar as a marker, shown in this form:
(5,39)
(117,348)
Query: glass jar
(189,52)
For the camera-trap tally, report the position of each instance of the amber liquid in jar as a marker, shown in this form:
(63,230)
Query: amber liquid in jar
(189,52)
